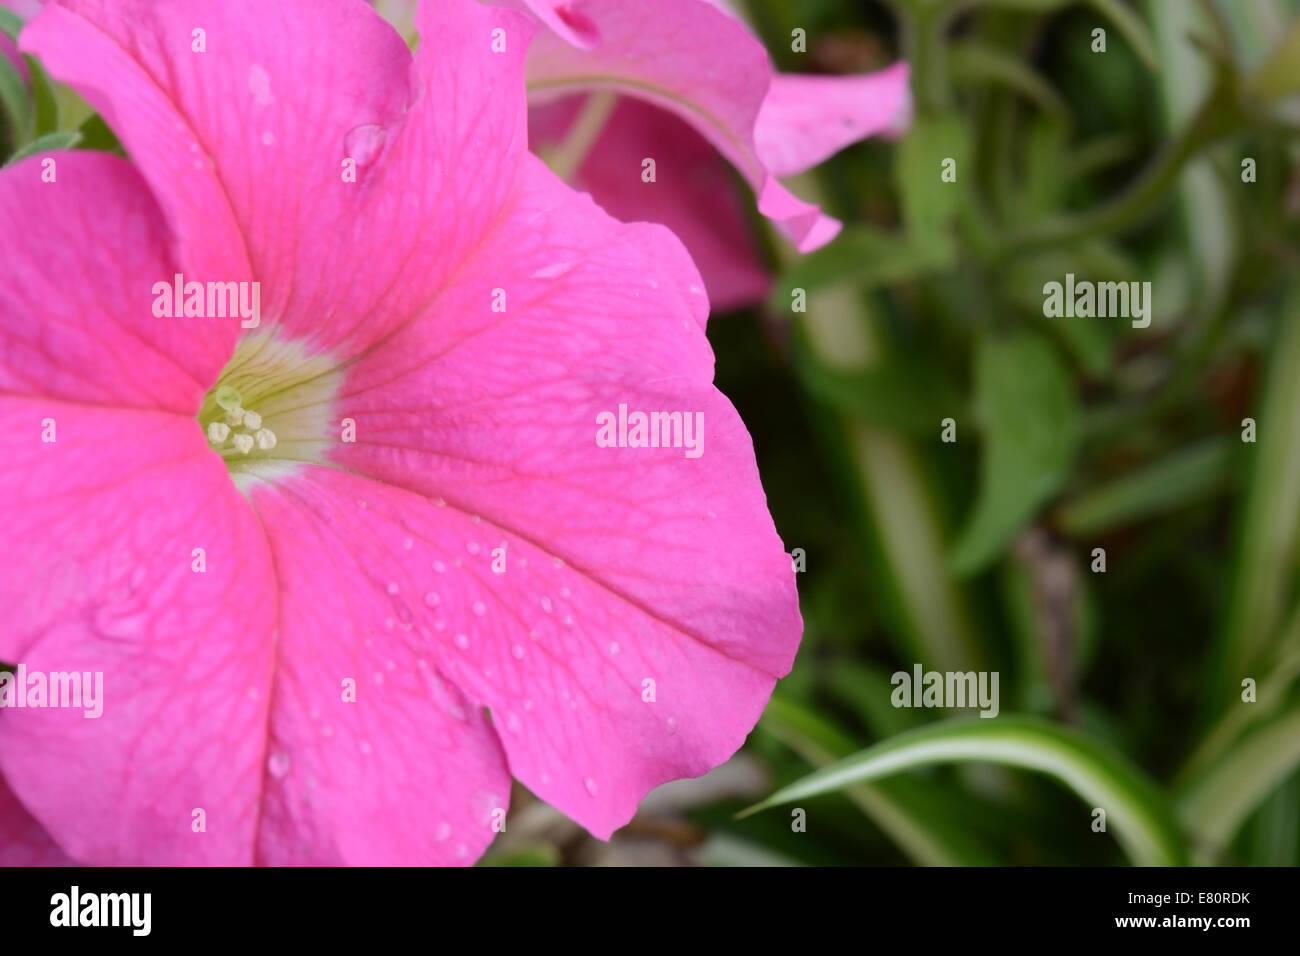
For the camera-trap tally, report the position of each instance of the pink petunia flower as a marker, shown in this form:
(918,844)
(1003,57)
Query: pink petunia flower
(700,86)
(352,554)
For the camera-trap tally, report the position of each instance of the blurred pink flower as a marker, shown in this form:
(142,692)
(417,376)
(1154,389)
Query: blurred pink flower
(700,79)
(299,635)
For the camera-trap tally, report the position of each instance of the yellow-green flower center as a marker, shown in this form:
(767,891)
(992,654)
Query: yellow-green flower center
(273,403)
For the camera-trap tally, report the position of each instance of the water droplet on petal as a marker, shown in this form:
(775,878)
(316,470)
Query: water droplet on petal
(278,765)
(613,647)
(590,785)
(431,599)
(461,641)
(364,142)
(479,608)
(408,543)
(518,652)
(443,832)
(472,547)
(392,587)
(672,725)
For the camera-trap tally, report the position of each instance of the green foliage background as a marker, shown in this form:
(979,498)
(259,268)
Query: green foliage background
(1121,690)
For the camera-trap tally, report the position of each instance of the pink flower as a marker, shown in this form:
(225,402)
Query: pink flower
(299,633)
(701,83)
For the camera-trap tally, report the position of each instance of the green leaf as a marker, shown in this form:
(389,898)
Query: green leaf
(95,134)
(1031,426)
(532,854)
(1191,474)
(898,394)
(47,106)
(1280,74)
(10,24)
(1217,803)
(861,255)
(1143,822)
(14,101)
(1130,25)
(1268,547)
(930,840)
(929,203)
(65,139)
(976,62)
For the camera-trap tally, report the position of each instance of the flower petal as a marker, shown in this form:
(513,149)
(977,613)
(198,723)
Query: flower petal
(102,576)
(398,768)
(696,61)
(704,210)
(78,260)
(805,119)
(675,557)
(23,841)
(245,154)
(573,26)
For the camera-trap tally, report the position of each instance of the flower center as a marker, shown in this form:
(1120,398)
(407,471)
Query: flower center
(273,403)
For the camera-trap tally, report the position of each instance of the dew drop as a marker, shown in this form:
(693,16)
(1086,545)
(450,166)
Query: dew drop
(278,765)
(259,84)
(431,599)
(546,605)
(364,142)
(461,641)
(439,567)
(392,587)
(672,725)
(518,652)
(613,647)
(479,608)
(443,832)
(408,543)
(472,547)
(590,785)
(365,747)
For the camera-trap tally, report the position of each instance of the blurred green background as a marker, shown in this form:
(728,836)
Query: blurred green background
(1120,690)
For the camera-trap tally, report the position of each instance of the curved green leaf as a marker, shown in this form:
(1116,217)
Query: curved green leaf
(930,840)
(1144,824)
(1216,805)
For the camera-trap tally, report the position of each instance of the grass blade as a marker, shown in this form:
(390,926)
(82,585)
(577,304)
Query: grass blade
(1144,824)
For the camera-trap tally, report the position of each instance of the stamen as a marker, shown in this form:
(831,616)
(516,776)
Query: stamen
(252,420)
(243,443)
(265,439)
(218,432)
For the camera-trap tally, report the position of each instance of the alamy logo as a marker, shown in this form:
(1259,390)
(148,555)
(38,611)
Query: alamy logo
(69,689)
(103,909)
(651,430)
(1127,300)
(215,300)
(946,689)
